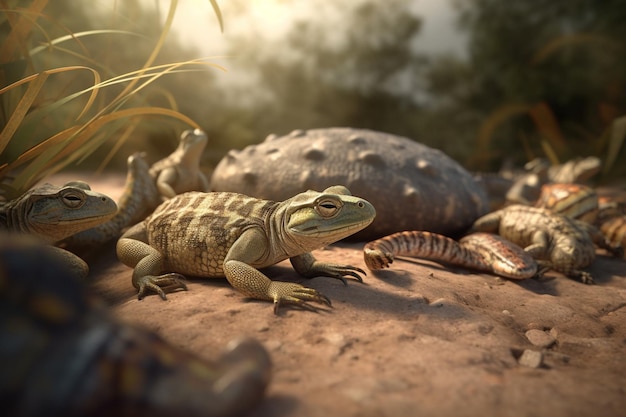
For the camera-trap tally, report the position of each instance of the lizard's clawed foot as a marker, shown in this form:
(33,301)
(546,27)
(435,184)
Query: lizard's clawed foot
(292,293)
(158,283)
(336,271)
(377,259)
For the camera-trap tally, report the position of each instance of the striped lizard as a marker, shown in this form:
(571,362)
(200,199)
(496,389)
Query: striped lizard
(232,235)
(480,251)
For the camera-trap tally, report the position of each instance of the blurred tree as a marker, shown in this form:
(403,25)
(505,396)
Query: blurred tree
(566,55)
(353,65)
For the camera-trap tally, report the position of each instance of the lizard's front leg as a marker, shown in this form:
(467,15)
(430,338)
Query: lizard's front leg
(248,249)
(133,251)
(307,266)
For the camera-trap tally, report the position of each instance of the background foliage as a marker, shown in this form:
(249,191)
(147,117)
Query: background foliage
(537,78)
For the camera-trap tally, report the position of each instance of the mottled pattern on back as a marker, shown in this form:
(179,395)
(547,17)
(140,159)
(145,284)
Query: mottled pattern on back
(208,224)
(569,246)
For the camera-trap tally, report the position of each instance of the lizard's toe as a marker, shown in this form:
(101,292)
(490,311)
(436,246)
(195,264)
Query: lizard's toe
(158,283)
(296,294)
(377,259)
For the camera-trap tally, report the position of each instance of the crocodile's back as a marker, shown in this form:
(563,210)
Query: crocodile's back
(412,186)
(195,230)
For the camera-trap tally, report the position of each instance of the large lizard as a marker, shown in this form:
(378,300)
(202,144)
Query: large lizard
(232,235)
(52,213)
(64,354)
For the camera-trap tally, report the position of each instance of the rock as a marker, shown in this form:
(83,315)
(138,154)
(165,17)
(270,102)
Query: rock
(531,359)
(540,338)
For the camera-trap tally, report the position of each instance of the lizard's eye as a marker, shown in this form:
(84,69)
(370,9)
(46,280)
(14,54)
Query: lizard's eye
(327,208)
(73,199)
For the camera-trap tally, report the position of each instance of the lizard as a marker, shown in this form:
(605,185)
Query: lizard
(583,203)
(52,213)
(222,234)
(140,198)
(480,251)
(180,171)
(64,353)
(556,241)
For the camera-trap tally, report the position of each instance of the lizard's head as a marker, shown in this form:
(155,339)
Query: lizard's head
(193,140)
(58,212)
(328,216)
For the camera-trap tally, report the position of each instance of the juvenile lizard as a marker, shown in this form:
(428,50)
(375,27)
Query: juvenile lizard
(480,251)
(557,241)
(180,171)
(62,353)
(51,214)
(233,235)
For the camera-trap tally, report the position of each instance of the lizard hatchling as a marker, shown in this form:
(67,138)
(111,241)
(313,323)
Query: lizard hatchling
(556,241)
(233,235)
(63,353)
(480,251)
(52,213)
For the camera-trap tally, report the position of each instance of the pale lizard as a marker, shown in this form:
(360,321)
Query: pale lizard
(180,171)
(232,235)
(480,251)
(556,241)
(65,354)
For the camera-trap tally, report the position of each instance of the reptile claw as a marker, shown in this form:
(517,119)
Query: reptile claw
(158,283)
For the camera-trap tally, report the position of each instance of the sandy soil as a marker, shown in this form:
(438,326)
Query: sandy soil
(419,339)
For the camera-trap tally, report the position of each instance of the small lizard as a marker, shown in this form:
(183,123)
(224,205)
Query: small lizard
(232,235)
(51,214)
(480,251)
(557,241)
(139,199)
(64,354)
(180,171)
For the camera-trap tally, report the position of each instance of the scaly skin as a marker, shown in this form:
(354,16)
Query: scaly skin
(180,171)
(51,214)
(139,199)
(233,235)
(572,200)
(480,251)
(63,354)
(559,242)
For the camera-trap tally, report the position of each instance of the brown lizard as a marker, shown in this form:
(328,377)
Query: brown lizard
(480,251)
(180,171)
(64,354)
(233,235)
(557,241)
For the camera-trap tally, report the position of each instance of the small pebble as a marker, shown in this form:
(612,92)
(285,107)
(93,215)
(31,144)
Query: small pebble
(531,359)
(540,338)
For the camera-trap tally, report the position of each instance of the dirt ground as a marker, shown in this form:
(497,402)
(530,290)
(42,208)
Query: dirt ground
(418,339)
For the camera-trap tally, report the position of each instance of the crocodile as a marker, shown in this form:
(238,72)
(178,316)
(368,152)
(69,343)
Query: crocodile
(139,199)
(480,251)
(64,354)
(412,186)
(180,171)
(232,235)
(556,241)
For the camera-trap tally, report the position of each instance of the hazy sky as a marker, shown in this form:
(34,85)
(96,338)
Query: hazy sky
(196,23)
